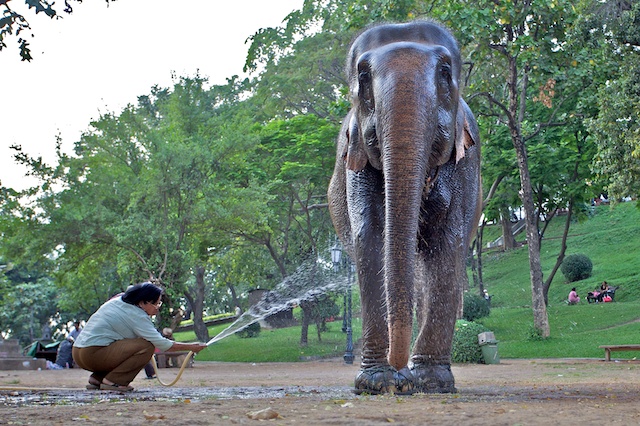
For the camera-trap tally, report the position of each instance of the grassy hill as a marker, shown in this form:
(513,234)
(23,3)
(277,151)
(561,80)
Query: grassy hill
(610,237)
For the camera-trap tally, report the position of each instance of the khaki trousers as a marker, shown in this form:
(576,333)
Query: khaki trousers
(120,362)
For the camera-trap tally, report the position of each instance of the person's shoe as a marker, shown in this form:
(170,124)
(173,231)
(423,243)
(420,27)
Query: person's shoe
(94,384)
(115,387)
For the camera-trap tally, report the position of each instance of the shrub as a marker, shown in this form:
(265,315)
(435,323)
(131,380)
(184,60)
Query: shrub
(576,267)
(252,330)
(465,342)
(475,307)
(534,334)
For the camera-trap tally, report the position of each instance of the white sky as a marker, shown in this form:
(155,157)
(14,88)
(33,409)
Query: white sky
(101,58)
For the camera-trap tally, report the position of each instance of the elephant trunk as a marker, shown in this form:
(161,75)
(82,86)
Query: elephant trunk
(407,141)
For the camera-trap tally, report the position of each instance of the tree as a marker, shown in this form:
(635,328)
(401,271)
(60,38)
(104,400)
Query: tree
(14,23)
(523,43)
(293,162)
(611,107)
(141,197)
(26,307)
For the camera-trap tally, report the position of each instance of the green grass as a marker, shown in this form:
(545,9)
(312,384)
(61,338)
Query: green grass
(576,331)
(276,345)
(611,238)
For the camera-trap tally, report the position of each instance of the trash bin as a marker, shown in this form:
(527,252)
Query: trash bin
(489,346)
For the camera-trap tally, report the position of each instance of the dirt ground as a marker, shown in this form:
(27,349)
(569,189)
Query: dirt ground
(514,392)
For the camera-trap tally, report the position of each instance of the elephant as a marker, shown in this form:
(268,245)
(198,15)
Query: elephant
(405,201)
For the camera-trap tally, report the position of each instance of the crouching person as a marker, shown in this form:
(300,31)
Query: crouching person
(573,298)
(119,339)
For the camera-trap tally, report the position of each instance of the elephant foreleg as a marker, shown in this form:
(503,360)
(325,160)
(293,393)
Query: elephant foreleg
(436,309)
(365,195)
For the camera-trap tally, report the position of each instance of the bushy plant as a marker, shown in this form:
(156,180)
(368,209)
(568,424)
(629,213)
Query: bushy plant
(576,267)
(534,334)
(252,330)
(465,342)
(474,307)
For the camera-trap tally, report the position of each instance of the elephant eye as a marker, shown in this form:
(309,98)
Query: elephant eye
(364,77)
(445,72)
(366,89)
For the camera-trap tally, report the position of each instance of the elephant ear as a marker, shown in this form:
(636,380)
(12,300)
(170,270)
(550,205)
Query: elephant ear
(467,133)
(356,156)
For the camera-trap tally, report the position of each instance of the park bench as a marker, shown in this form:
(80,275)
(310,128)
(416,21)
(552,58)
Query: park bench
(172,359)
(593,298)
(612,348)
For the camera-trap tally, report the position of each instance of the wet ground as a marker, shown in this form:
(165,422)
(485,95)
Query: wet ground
(565,391)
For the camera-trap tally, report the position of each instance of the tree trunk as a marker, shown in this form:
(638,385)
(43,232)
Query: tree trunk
(197,303)
(508,240)
(474,261)
(563,249)
(177,318)
(234,296)
(479,244)
(540,317)
(304,330)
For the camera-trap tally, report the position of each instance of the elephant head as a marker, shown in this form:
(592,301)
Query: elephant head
(407,120)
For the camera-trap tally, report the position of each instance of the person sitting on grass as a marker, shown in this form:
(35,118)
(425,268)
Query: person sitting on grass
(119,339)
(574,299)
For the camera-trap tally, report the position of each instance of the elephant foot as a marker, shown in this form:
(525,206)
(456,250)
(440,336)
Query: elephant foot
(430,378)
(384,379)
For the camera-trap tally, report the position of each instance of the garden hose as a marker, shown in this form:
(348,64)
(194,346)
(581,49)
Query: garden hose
(184,365)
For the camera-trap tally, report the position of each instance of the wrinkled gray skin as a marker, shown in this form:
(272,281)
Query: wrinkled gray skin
(405,201)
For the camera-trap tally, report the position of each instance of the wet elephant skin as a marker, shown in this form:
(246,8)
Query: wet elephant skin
(405,200)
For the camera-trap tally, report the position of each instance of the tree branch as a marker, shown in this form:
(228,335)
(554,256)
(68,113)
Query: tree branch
(492,191)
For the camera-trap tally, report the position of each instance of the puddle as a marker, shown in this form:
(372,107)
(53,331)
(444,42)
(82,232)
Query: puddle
(21,398)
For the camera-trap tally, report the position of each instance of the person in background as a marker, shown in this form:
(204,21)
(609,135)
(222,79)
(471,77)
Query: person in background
(604,289)
(64,358)
(119,339)
(149,371)
(574,299)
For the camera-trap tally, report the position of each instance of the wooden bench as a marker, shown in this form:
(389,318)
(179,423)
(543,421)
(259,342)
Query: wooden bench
(177,358)
(613,348)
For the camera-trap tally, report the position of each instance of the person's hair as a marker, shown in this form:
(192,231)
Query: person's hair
(573,289)
(144,292)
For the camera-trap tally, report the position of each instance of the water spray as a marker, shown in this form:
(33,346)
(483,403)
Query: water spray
(308,283)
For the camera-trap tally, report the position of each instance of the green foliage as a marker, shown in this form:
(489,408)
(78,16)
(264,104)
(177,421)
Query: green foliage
(475,307)
(611,108)
(323,309)
(465,342)
(252,330)
(535,334)
(576,267)
(25,308)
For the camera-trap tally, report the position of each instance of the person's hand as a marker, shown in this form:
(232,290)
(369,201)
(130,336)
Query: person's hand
(197,347)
